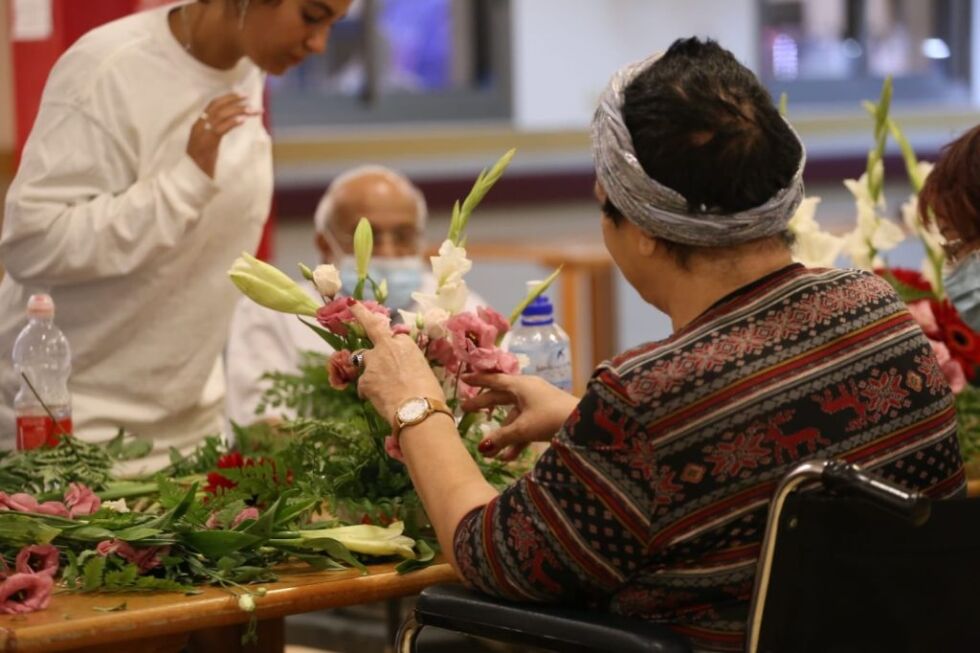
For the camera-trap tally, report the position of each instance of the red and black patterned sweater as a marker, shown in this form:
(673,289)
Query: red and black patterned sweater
(652,499)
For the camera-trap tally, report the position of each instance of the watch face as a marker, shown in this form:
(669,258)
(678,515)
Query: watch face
(413,410)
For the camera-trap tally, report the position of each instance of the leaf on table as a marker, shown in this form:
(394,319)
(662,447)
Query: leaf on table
(218,544)
(115,608)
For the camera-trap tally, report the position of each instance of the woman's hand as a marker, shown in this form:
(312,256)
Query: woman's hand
(220,116)
(395,370)
(538,412)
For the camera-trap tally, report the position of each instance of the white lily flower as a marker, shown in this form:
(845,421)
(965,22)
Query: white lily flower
(814,247)
(326,278)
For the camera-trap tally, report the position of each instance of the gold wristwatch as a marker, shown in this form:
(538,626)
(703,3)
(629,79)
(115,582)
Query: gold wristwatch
(416,410)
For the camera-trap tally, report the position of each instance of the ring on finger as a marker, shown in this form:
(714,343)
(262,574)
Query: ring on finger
(357,360)
(206,119)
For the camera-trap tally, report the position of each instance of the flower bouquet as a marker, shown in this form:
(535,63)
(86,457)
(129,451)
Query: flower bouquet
(957,347)
(362,476)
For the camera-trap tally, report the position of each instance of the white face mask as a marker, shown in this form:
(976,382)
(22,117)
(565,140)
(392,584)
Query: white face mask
(403,274)
(962,283)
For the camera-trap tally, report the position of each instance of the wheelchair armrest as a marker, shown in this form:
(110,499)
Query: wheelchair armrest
(455,608)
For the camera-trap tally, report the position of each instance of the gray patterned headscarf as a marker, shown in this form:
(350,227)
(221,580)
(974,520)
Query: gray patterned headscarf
(660,210)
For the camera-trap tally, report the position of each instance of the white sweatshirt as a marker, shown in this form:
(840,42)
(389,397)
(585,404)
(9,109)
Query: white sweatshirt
(109,214)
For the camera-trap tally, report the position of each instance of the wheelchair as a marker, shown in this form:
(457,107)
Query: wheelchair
(858,565)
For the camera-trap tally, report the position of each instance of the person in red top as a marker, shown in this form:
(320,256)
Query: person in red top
(652,496)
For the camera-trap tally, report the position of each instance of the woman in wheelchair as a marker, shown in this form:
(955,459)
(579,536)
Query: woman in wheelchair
(651,499)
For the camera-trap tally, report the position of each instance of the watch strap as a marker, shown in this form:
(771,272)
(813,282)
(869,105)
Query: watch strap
(434,406)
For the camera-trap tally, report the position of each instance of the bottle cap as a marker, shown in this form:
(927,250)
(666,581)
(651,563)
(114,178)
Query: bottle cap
(40,305)
(539,311)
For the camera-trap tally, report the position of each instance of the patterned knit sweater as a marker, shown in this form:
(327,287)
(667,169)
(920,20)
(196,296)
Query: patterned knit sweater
(652,499)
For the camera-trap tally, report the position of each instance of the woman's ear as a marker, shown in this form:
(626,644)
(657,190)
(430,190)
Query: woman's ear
(646,244)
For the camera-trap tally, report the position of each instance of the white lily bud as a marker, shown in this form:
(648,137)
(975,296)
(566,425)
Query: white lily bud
(326,278)
(268,286)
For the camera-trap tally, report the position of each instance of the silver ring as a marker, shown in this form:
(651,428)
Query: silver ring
(357,359)
(207,122)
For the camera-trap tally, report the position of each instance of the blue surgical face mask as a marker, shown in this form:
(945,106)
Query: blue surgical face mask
(962,285)
(403,273)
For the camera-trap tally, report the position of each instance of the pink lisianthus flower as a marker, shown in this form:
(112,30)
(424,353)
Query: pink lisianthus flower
(336,316)
(23,502)
(493,360)
(494,319)
(468,332)
(247,513)
(441,351)
(145,558)
(25,592)
(341,369)
(81,500)
(474,341)
(47,556)
(952,369)
(213,522)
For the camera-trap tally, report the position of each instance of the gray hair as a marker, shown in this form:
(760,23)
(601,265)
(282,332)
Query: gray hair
(662,211)
(328,203)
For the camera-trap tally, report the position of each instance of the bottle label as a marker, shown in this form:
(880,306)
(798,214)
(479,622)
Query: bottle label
(552,363)
(34,431)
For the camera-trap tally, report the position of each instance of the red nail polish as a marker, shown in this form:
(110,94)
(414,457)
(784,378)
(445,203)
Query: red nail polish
(486,446)
(351,301)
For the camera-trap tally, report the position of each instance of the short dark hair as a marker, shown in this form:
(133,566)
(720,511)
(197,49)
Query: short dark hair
(952,189)
(703,125)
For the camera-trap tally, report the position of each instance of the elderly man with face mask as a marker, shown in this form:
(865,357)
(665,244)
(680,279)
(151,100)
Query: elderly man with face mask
(262,341)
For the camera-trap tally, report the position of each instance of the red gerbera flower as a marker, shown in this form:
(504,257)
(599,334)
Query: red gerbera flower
(908,277)
(963,343)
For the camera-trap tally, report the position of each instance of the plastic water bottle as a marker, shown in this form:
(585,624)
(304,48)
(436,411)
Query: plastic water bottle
(41,353)
(541,344)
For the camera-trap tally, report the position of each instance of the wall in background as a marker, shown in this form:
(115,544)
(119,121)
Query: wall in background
(565,50)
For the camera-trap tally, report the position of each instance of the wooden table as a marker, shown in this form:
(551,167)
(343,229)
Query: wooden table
(166,622)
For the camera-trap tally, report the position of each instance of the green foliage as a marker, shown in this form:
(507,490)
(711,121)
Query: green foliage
(47,472)
(968,421)
(484,182)
(307,392)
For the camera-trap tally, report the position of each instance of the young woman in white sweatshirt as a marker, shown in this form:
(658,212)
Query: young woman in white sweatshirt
(147,171)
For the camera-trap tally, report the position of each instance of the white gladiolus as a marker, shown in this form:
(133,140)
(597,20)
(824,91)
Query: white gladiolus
(450,297)
(930,235)
(450,265)
(871,236)
(814,247)
(326,278)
